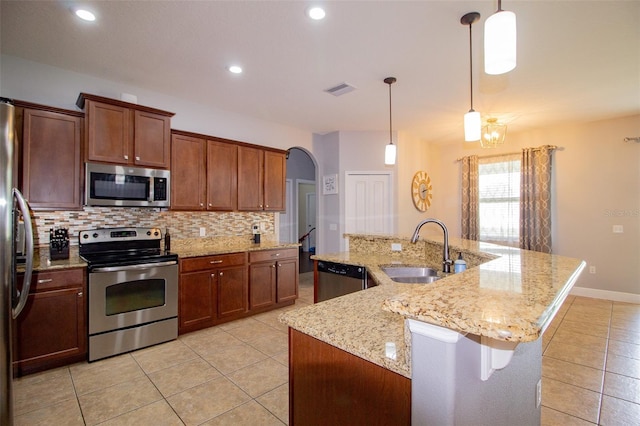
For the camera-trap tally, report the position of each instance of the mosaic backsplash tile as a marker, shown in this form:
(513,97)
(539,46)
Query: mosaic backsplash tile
(182,225)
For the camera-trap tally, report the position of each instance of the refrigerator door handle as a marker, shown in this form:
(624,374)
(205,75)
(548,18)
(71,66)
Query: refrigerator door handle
(28,232)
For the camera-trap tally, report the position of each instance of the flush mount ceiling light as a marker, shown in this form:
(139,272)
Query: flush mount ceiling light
(390,150)
(500,42)
(472,121)
(493,133)
(235,69)
(316,13)
(85,15)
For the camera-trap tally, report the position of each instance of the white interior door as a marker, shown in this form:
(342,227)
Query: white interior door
(368,203)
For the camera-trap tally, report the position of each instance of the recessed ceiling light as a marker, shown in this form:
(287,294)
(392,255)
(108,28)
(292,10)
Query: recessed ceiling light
(316,13)
(235,69)
(85,15)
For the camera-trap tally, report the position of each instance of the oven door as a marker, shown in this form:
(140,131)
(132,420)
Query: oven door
(127,296)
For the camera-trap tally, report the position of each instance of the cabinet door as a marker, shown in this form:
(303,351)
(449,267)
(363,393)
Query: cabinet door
(188,173)
(51,160)
(275,173)
(109,133)
(262,285)
(232,291)
(250,178)
(197,301)
(287,280)
(222,176)
(152,136)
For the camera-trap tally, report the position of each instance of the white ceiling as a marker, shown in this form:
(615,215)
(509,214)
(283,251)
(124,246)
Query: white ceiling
(577,60)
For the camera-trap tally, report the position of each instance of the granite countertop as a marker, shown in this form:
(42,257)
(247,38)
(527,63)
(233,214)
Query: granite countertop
(505,294)
(184,248)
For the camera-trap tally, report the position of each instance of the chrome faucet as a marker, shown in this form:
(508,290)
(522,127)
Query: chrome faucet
(446,262)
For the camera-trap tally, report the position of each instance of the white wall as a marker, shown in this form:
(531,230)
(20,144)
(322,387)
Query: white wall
(43,84)
(596,185)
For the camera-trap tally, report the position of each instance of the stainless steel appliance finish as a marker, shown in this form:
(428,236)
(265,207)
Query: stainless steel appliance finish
(115,185)
(133,290)
(12,301)
(335,280)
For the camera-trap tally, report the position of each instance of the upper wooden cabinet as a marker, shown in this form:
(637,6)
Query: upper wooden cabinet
(51,156)
(124,133)
(261,179)
(203,173)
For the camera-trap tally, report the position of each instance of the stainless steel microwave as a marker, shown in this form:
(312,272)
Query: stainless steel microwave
(115,185)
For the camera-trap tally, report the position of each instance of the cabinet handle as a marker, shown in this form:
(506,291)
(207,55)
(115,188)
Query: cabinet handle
(45,281)
(213,262)
(126,157)
(275,255)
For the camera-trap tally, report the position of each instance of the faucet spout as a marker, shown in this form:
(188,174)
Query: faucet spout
(446,261)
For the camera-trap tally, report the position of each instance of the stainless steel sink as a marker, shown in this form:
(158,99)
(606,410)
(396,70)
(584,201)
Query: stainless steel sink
(411,274)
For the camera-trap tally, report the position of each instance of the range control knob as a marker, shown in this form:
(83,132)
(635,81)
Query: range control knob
(95,235)
(85,236)
(155,233)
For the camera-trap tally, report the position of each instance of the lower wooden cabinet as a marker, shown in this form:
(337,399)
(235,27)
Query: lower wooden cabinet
(221,288)
(329,386)
(51,330)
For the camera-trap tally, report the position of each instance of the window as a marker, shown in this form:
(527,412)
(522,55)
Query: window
(499,199)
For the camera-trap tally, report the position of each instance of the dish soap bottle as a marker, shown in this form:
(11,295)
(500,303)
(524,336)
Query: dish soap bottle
(460,264)
(167,241)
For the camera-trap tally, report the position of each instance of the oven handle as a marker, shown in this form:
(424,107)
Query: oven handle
(134,267)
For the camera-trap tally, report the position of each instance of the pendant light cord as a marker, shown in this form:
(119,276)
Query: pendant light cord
(470,67)
(390,133)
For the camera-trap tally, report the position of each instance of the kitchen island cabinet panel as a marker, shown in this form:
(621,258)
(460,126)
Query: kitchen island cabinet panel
(51,331)
(188,173)
(330,386)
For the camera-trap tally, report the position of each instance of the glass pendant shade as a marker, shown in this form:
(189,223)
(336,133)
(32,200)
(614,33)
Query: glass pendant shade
(390,154)
(472,126)
(500,42)
(493,134)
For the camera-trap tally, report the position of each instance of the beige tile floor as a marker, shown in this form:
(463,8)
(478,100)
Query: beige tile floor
(236,374)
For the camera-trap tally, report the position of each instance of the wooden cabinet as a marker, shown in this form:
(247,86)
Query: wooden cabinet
(51,331)
(188,172)
(51,156)
(124,133)
(212,288)
(203,173)
(261,179)
(273,277)
(328,386)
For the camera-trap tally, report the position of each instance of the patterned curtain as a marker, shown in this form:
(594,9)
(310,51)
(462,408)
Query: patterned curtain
(535,199)
(470,216)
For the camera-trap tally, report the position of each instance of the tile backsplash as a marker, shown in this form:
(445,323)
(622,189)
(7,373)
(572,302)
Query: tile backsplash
(181,225)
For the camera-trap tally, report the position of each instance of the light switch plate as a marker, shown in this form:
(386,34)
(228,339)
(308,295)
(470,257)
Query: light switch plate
(618,229)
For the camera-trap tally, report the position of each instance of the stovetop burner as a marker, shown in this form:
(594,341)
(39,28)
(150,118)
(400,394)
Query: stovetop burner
(122,246)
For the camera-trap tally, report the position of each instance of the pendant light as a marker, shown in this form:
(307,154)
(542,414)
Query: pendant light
(472,123)
(500,42)
(390,150)
(493,133)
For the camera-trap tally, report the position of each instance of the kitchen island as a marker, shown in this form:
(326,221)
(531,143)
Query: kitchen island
(506,295)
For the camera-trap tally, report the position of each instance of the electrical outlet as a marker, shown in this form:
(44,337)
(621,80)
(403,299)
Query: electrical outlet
(592,269)
(203,232)
(396,247)
(618,229)
(538,393)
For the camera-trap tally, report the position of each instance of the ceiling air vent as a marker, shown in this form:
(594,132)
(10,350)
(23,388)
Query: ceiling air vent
(340,89)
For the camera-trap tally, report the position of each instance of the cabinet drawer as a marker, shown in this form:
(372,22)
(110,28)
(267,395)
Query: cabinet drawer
(212,262)
(266,255)
(43,281)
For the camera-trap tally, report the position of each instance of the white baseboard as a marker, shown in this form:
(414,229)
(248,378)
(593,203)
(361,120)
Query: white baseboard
(605,294)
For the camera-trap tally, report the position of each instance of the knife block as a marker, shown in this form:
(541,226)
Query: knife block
(58,244)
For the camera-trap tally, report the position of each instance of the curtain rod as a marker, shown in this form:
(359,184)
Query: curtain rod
(551,147)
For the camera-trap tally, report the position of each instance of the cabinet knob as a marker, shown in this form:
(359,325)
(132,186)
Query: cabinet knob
(209,204)
(221,273)
(273,266)
(137,158)
(260,206)
(279,265)
(267,206)
(126,157)
(201,204)
(80,294)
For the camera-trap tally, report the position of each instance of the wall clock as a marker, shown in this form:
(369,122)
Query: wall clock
(421,191)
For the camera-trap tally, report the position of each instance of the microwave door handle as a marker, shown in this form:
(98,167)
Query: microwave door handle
(28,233)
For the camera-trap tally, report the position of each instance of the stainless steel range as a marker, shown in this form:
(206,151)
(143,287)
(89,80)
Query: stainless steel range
(133,290)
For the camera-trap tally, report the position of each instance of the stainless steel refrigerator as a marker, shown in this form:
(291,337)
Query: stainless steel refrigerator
(12,206)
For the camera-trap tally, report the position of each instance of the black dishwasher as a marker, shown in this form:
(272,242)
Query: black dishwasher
(337,279)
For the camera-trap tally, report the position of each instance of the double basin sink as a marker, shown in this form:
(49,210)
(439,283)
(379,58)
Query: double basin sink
(411,274)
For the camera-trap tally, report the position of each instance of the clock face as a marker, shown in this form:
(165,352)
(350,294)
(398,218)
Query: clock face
(421,191)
